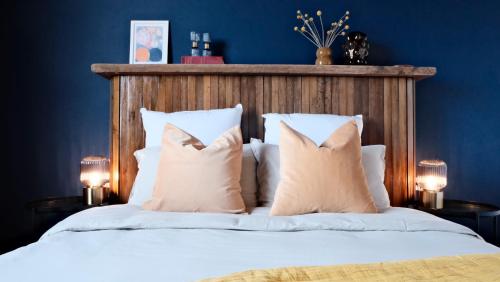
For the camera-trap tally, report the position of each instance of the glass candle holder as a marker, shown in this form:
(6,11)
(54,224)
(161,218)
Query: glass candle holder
(94,171)
(431,179)
(431,175)
(94,175)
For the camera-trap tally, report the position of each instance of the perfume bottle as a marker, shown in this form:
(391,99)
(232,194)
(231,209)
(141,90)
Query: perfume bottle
(195,39)
(206,44)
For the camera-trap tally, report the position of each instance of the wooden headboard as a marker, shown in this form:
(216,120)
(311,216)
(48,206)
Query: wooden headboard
(385,96)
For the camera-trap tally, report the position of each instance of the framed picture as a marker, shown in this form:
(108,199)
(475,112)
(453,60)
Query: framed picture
(148,42)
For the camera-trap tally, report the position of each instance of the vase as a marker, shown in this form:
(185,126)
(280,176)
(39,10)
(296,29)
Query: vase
(324,56)
(356,48)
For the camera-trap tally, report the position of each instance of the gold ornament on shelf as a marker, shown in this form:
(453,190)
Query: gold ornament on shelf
(323,40)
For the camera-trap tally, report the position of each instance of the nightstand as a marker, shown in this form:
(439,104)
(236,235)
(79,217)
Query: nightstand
(45,213)
(482,218)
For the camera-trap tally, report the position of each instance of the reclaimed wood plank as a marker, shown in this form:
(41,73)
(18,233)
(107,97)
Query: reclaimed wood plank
(328,96)
(109,70)
(305,105)
(374,123)
(252,118)
(222,92)
(184,93)
(176,93)
(115,135)
(191,93)
(131,133)
(245,92)
(166,88)
(403,140)
(411,151)
(396,161)
(297,94)
(275,105)
(335,96)
(214,92)
(316,95)
(389,156)
(360,102)
(259,105)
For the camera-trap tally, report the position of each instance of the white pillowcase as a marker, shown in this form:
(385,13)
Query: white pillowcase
(206,125)
(373,158)
(142,190)
(148,159)
(268,172)
(317,127)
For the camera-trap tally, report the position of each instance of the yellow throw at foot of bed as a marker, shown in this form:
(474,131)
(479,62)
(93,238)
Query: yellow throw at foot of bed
(455,268)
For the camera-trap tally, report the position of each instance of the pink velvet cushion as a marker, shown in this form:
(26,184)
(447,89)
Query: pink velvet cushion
(329,178)
(193,177)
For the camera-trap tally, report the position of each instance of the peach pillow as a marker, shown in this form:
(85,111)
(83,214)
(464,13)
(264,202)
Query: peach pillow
(329,178)
(193,177)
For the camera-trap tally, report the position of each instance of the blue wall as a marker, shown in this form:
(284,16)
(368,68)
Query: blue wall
(58,110)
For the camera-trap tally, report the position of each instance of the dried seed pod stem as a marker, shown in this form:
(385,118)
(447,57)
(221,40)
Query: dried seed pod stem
(311,32)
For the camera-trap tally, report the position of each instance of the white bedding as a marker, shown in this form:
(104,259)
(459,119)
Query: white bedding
(124,243)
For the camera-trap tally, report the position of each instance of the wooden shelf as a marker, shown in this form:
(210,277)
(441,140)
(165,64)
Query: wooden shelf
(110,70)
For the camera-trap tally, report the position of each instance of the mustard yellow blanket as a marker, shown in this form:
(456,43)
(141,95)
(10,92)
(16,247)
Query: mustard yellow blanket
(457,268)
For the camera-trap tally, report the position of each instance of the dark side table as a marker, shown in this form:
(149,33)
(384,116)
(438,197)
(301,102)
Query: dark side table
(480,217)
(45,213)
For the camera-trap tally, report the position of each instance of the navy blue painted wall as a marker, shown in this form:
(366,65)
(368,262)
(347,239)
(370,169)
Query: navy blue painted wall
(56,110)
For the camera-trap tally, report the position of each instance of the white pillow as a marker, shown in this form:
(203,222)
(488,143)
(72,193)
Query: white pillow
(206,125)
(373,158)
(318,127)
(148,159)
(268,172)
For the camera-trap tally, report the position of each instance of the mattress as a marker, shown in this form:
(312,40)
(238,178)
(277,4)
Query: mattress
(126,243)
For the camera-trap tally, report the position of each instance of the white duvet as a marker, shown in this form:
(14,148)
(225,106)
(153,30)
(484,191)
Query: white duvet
(125,243)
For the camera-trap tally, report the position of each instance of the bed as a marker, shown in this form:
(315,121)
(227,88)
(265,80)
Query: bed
(126,243)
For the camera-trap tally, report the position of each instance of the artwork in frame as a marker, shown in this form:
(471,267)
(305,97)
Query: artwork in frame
(148,42)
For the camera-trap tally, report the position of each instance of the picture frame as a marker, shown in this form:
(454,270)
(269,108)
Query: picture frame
(149,42)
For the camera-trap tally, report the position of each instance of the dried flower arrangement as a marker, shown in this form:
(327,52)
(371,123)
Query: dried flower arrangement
(311,32)
(321,40)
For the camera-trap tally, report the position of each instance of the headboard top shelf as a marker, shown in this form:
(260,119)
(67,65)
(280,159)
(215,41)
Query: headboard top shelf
(417,73)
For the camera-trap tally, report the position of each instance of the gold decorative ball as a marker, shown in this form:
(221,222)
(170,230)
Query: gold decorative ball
(295,28)
(318,13)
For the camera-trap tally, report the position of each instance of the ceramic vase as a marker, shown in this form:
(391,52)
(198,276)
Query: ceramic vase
(324,56)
